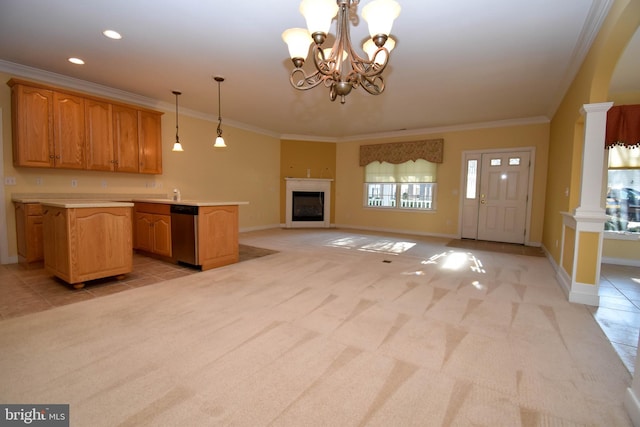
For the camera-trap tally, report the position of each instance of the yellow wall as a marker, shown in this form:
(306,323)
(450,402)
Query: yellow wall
(299,157)
(568,250)
(247,170)
(350,178)
(590,86)
(588,257)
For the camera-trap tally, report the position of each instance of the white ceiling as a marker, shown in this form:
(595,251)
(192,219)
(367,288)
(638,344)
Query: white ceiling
(456,62)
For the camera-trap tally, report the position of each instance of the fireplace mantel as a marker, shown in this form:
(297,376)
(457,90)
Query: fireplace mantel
(308,184)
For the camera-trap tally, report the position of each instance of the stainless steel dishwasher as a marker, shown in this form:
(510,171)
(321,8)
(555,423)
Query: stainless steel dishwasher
(184,233)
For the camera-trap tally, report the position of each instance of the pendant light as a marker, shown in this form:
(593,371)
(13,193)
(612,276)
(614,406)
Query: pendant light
(219,140)
(176,145)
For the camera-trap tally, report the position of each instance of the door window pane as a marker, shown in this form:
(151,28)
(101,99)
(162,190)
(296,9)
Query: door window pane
(472,177)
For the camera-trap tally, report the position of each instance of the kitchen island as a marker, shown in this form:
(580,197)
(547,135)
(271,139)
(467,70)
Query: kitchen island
(203,234)
(85,240)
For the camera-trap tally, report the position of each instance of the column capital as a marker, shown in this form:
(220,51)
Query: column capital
(596,108)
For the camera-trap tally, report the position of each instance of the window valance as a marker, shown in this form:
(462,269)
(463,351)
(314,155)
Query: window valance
(623,126)
(400,152)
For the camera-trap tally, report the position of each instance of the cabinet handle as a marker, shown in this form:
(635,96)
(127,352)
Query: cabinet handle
(58,156)
(51,156)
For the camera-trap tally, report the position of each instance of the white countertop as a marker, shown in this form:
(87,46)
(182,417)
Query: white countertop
(190,202)
(95,199)
(81,197)
(85,204)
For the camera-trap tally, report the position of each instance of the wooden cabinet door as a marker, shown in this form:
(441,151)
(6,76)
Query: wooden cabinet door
(150,142)
(99,132)
(144,231)
(162,235)
(32,120)
(125,138)
(101,242)
(29,232)
(68,131)
(35,250)
(56,241)
(217,236)
(21,230)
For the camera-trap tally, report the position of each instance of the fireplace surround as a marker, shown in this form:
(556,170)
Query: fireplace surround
(311,206)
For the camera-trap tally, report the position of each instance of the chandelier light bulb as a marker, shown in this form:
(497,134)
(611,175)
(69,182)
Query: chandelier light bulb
(298,40)
(380,14)
(318,14)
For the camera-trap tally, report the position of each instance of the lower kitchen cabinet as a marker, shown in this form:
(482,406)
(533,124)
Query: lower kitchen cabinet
(29,232)
(217,236)
(153,229)
(86,243)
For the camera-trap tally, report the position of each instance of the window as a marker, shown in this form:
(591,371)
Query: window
(622,205)
(409,185)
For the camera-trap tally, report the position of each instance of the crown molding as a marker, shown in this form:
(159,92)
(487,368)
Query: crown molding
(595,18)
(128,97)
(425,131)
(48,77)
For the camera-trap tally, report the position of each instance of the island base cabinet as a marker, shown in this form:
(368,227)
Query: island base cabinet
(82,244)
(217,236)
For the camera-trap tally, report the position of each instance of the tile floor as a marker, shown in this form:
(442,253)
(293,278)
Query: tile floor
(619,311)
(30,290)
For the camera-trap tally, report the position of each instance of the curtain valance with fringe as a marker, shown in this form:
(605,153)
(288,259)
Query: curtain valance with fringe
(400,152)
(623,126)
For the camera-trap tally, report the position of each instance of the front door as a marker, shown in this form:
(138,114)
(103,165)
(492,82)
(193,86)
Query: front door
(496,196)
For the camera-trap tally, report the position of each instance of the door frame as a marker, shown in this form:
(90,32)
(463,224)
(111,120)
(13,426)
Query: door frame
(463,180)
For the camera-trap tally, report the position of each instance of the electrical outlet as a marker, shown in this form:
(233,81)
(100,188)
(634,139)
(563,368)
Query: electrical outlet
(74,183)
(38,181)
(9,180)
(103,184)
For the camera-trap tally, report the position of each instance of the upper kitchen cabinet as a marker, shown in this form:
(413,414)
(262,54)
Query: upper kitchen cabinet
(32,137)
(68,131)
(125,139)
(58,128)
(150,142)
(99,135)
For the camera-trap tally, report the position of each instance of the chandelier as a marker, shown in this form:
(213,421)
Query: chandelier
(340,68)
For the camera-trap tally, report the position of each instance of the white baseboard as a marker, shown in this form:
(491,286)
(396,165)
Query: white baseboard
(621,261)
(632,405)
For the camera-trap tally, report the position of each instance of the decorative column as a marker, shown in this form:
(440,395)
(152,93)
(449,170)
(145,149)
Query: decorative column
(582,230)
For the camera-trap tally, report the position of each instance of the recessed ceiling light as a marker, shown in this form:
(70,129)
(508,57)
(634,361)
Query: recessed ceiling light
(76,61)
(112,34)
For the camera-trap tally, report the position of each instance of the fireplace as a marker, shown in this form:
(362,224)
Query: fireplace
(308,202)
(307,206)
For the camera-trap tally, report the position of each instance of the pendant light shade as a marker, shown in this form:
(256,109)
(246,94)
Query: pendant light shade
(219,139)
(176,145)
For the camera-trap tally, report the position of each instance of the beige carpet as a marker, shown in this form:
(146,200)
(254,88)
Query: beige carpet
(338,328)
(505,248)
